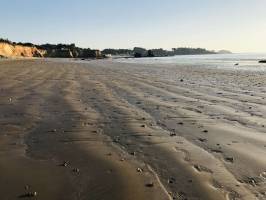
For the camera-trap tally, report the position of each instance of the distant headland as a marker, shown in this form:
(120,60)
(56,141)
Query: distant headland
(13,49)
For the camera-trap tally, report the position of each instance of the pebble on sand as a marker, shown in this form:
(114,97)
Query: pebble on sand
(76,170)
(151,184)
(171,180)
(229,159)
(139,170)
(31,194)
(172,134)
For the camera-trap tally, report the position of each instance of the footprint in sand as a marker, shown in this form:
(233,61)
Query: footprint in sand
(201,168)
(185,152)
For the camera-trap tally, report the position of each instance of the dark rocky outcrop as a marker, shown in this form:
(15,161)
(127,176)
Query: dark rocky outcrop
(262,61)
(69,51)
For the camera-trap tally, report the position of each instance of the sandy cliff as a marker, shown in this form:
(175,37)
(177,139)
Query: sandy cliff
(10,50)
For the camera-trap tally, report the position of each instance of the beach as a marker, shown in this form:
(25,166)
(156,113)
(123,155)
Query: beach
(103,129)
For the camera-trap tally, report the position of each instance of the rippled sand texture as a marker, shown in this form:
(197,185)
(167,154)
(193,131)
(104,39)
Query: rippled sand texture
(131,131)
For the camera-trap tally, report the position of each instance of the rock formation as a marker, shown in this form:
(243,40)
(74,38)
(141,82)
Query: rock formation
(14,50)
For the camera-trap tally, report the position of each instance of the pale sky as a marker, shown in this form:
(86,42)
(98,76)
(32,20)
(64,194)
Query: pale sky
(236,25)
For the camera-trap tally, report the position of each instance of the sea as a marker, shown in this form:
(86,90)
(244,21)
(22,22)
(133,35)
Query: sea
(235,61)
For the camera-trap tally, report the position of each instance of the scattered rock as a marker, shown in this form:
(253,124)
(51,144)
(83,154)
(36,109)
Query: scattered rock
(252,181)
(205,131)
(262,61)
(139,170)
(172,134)
(203,140)
(151,184)
(116,140)
(171,180)
(143,126)
(181,80)
(76,170)
(29,195)
(229,159)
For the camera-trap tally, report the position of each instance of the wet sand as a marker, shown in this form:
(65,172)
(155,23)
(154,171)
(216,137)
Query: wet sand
(107,130)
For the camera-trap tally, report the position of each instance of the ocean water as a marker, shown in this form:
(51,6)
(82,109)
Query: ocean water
(224,61)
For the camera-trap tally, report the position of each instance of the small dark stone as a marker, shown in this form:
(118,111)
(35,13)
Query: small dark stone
(76,170)
(229,159)
(151,184)
(172,134)
(171,180)
(202,140)
(139,170)
(30,195)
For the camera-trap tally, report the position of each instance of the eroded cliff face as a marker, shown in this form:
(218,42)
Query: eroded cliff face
(14,51)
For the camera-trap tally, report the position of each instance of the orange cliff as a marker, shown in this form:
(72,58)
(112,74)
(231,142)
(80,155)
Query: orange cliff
(18,51)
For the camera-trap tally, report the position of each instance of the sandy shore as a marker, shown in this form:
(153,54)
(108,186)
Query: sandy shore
(106,130)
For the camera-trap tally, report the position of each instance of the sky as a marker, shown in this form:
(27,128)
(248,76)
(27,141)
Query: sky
(236,25)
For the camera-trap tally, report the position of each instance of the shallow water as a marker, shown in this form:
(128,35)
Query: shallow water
(224,61)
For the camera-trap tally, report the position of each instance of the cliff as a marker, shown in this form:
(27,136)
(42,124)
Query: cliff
(16,51)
